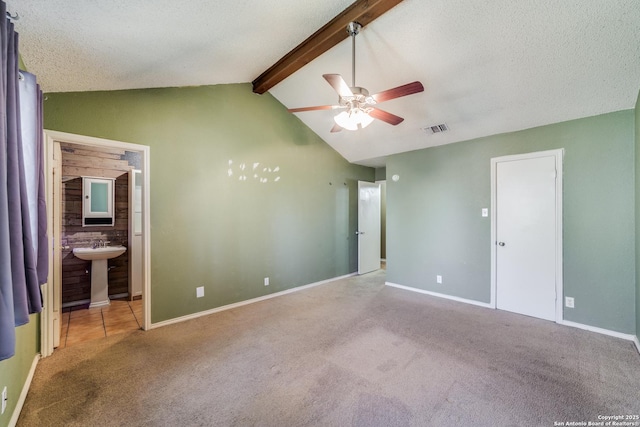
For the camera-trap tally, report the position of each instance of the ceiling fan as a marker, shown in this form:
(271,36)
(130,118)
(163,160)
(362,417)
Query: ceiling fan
(359,105)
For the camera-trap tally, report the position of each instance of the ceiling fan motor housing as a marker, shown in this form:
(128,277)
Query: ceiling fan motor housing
(360,98)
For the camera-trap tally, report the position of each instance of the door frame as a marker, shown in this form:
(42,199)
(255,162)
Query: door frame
(558,154)
(51,291)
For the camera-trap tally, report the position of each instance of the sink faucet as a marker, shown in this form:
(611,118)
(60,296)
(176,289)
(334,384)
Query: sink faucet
(95,244)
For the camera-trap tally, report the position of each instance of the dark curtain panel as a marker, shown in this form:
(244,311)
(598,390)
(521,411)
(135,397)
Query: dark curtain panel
(7,320)
(43,241)
(19,281)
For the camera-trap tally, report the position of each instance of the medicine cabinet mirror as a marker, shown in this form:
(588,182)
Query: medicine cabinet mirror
(97,201)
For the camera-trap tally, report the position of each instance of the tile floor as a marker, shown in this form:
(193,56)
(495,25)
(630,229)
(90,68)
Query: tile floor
(81,325)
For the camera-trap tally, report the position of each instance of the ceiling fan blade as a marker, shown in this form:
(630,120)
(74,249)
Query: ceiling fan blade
(379,114)
(338,84)
(397,92)
(336,128)
(319,107)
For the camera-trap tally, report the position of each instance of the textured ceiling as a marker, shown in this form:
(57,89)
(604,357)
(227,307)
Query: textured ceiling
(488,67)
(124,44)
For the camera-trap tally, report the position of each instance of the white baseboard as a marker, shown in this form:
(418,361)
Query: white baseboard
(621,335)
(435,294)
(241,303)
(23,394)
(602,331)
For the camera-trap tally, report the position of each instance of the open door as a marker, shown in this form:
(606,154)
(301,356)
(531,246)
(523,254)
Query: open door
(135,234)
(51,317)
(368,227)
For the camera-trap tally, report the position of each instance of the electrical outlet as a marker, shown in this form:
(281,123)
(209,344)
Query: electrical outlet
(4,399)
(438,279)
(485,212)
(200,292)
(569,302)
(266,281)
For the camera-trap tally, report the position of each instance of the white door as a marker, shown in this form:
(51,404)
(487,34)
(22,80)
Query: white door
(526,224)
(368,227)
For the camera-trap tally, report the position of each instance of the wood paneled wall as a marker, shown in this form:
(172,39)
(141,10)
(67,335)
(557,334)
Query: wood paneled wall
(78,161)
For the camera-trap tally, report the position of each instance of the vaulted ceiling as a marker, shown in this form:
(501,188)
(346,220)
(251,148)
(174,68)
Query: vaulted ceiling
(488,67)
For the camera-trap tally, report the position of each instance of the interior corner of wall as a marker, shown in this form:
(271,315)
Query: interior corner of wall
(21,63)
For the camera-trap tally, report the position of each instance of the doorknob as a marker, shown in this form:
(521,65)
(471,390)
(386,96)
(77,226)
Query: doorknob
(501,243)
(359,232)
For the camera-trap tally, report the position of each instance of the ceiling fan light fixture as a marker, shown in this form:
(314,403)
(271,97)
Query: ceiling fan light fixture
(353,119)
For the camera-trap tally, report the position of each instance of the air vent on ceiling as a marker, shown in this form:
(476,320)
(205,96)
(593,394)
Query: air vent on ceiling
(436,129)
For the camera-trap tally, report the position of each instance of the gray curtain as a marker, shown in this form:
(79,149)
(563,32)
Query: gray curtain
(19,278)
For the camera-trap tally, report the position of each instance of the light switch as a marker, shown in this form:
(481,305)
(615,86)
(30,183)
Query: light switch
(485,212)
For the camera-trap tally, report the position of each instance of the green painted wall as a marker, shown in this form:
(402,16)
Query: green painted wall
(637,199)
(434,224)
(214,230)
(14,371)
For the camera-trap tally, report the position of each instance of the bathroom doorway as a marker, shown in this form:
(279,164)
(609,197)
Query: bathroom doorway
(118,159)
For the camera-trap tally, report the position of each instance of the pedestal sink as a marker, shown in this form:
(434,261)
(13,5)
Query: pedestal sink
(99,272)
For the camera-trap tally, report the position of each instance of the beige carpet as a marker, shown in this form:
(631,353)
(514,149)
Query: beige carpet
(348,353)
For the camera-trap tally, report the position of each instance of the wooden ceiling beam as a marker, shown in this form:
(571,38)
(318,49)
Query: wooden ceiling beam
(332,33)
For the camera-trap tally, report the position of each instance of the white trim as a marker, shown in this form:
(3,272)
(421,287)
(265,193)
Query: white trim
(90,140)
(246,302)
(628,337)
(636,342)
(23,394)
(52,137)
(146,240)
(559,156)
(436,294)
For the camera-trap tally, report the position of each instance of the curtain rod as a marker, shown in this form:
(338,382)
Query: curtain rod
(13,17)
